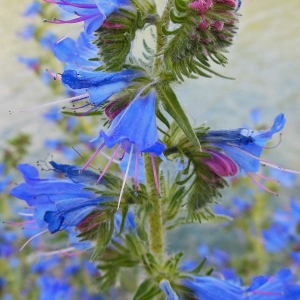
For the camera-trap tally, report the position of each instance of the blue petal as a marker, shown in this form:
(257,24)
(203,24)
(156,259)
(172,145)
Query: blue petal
(167,289)
(76,175)
(29,172)
(99,95)
(210,288)
(136,124)
(81,80)
(244,161)
(65,50)
(55,221)
(93,24)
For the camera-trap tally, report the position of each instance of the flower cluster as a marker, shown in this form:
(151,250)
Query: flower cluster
(124,216)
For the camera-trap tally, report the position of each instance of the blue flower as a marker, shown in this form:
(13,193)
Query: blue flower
(52,288)
(53,115)
(134,129)
(99,85)
(275,238)
(245,147)
(32,9)
(242,145)
(210,288)
(58,203)
(27,32)
(92,12)
(285,179)
(167,289)
(278,287)
(47,40)
(136,125)
(255,116)
(76,54)
(30,62)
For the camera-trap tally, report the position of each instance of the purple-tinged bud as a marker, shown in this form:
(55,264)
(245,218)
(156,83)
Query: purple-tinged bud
(218,25)
(232,3)
(107,24)
(203,24)
(220,164)
(201,5)
(113,108)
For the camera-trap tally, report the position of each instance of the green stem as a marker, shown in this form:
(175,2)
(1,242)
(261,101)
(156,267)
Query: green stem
(155,217)
(160,38)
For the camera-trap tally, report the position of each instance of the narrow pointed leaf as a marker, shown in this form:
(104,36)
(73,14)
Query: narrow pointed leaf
(173,107)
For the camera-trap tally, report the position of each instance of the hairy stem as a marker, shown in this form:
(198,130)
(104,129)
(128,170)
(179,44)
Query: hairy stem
(155,217)
(160,38)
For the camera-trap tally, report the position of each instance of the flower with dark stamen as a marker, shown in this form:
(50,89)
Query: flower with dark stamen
(134,130)
(244,147)
(92,12)
(100,85)
(59,203)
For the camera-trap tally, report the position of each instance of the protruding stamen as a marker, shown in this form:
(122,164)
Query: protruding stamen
(19,223)
(125,150)
(93,156)
(155,174)
(267,293)
(109,163)
(72,99)
(261,185)
(272,165)
(125,177)
(136,171)
(276,144)
(265,162)
(66,36)
(79,107)
(25,214)
(33,237)
(76,20)
(64,2)
(56,76)
(266,178)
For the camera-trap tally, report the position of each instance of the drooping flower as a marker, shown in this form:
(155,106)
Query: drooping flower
(76,54)
(244,147)
(58,203)
(134,130)
(92,12)
(211,288)
(100,86)
(281,286)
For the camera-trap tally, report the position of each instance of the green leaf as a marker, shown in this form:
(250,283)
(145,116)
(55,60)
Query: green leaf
(199,267)
(173,107)
(71,113)
(165,31)
(162,118)
(105,231)
(147,290)
(177,19)
(180,5)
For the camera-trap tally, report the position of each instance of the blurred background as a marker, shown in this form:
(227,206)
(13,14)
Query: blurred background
(265,60)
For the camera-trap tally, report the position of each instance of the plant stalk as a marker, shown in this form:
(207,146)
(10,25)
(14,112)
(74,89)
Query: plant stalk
(160,38)
(155,217)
